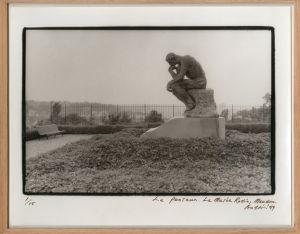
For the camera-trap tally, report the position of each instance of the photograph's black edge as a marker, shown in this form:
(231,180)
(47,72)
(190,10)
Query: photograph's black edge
(273,119)
(155,28)
(24,107)
(145,194)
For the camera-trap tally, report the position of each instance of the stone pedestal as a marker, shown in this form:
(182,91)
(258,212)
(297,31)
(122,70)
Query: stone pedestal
(202,121)
(188,128)
(205,103)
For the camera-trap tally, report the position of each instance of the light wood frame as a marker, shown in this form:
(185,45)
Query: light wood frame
(4,228)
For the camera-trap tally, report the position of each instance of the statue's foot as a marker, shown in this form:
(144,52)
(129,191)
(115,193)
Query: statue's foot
(190,106)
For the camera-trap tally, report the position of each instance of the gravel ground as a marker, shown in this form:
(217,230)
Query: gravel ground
(36,147)
(124,163)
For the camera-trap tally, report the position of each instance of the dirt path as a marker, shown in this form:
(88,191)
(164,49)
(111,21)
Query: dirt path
(36,147)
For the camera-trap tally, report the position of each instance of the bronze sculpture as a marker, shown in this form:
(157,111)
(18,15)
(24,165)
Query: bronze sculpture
(181,67)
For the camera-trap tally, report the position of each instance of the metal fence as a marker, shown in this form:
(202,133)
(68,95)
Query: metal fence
(98,114)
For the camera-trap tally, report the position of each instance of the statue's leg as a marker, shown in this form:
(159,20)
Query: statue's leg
(193,84)
(182,95)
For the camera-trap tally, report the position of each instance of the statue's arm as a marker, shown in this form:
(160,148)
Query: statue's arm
(172,73)
(171,70)
(180,74)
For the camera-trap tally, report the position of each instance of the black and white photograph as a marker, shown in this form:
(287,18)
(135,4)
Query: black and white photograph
(149,110)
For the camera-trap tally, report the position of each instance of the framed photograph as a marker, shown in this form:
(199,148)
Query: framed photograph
(164,166)
(139,118)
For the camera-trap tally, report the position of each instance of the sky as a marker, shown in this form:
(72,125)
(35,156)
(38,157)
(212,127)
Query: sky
(129,67)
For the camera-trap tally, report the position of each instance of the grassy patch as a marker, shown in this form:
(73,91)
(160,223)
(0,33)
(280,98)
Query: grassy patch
(124,163)
(249,127)
(108,129)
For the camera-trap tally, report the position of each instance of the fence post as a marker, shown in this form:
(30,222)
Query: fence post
(173,110)
(51,111)
(263,113)
(241,115)
(65,113)
(231,113)
(91,111)
(145,111)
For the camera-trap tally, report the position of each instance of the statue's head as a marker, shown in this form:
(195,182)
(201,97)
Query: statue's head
(172,59)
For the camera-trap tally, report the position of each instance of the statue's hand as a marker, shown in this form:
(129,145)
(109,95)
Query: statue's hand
(172,68)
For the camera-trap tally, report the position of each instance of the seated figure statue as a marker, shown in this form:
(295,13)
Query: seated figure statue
(181,67)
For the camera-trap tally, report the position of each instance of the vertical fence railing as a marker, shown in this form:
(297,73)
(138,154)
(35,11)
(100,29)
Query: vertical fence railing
(97,114)
(65,113)
(232,113)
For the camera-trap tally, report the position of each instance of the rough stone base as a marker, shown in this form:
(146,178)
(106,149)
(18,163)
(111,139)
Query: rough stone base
(188,128)
(205,103)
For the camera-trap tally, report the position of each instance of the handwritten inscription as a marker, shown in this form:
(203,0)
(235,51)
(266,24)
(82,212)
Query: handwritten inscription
(175,200)
(248,204)
(29,202)
(260,204)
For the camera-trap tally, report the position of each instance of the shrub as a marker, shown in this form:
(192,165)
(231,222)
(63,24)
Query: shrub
(115,118)
(91,121)
(153,117)
(75,119)
(111,118)
(152,125)
(249,127)
(105,129)
(125,118)
(31,135)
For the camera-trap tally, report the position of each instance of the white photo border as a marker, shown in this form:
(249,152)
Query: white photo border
(113,211)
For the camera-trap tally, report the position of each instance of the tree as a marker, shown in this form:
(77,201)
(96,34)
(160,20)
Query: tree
(267,99)
(267,107)
(111,118)
(55,111)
